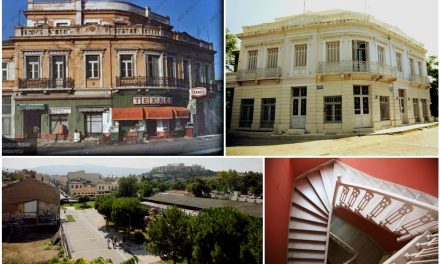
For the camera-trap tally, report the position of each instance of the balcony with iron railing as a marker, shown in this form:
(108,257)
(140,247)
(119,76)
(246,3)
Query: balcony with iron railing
(259,74)
(418,79)
(142,81)
(357,66)
(46,83)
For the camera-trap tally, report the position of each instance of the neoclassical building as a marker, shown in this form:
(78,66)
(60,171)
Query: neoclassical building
(328,72)
(101,66)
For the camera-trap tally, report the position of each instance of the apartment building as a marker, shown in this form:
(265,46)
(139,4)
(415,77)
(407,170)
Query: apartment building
(328,72)
(96,67)
(82,175)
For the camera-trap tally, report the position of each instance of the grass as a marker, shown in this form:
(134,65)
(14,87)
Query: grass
(70,218)
(79,206)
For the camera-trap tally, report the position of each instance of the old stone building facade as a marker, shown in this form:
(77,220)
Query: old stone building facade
(101,66)
(328,72)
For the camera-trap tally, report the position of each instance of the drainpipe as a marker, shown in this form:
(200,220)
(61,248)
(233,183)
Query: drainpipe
(316,81)
(392,86)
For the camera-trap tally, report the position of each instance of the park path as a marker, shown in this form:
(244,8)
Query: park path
(88,238)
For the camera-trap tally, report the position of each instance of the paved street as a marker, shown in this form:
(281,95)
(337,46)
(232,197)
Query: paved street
(88,238)
(423,142)
(204,145)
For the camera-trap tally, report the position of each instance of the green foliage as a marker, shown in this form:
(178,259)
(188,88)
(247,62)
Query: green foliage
(432,66)
(70,218)
(228,181)
(128,211)
(146,188)
(178,185)
(128,186)
(231,48)
(167,173)
(199,188)
(83,199)
(168,235)
(220,235)
(104,204)
(132,260)
(138,237)
(248,183)
(99,260)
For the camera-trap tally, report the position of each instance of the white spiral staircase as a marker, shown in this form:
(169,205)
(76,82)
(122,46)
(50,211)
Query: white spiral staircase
(405,212)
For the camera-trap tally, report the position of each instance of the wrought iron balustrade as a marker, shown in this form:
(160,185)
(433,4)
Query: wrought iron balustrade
(142,81)
(42,83)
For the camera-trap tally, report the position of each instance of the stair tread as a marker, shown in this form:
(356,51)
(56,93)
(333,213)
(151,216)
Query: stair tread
(304,254)
(305,236)
(307,245)
(301,225)
(301,213)
(304,186)
(299,200)
(317,183)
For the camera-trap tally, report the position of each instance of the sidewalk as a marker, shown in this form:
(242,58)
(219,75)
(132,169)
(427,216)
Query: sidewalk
(403,129)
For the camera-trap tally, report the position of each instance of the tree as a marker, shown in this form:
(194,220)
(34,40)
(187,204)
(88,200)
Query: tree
(220,235)
(103,205)
(146,188)
(128,212)
(168,235)
(83,199)
(251,182)
(128,187)
(231,49)
(199,188)
(228,181)
(432,66)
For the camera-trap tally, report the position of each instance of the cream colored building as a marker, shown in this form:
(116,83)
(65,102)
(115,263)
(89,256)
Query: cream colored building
(328,72)
(106,186)
(80,188)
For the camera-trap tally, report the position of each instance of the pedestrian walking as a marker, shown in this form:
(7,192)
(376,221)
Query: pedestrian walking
(108,242)
(114,242)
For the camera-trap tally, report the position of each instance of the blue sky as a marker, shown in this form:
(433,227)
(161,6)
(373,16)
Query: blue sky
(200,18)
(418,19)
(213,163)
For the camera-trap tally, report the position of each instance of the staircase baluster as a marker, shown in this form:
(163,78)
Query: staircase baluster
(402,211)
(406,228)
(384,203)
(354,195)
(365,200)
(344,194)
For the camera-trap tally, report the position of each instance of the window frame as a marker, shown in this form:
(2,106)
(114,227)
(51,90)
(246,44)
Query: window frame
(327,103)
(399,67)
(384,102)
(33,66)
(270,107)
(126,67)
(333,54)
(246,118)
(92,63)
(252,60)
(300,55)
(272,58)
(5,71)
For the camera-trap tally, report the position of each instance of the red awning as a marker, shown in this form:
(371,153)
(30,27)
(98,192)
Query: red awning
(164,112)
(128,113)
(181,112)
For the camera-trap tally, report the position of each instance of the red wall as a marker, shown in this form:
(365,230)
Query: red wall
(417,173)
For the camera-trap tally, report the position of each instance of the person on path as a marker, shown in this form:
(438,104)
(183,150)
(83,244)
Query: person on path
(108,242)
(114,242)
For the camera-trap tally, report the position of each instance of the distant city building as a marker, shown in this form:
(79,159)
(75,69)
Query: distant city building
(30,202)
(106,186)
(83,175)
(42,177)
(76,188)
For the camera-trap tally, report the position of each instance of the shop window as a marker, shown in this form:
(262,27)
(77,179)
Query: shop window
(267,112)
(333,109)
(92,66)
(246,112)
(54,120)
(32,67)
(93,123)
(126,65)
(384,108)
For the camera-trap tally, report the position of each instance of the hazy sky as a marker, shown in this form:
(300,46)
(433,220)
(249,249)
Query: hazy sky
(239,164)
(418,19)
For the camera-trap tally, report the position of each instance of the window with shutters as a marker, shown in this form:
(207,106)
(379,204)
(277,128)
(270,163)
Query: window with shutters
(126,65)
(272,58)
(4,71)
(384,108)
(301,55)
(92,66)
(171,67)
(58,67)
(153,65)
(33,67)
(333,109)
(252,62)
(332,52)
(380,55)
(246,112)
(411,66)
(267,112)
(399,61)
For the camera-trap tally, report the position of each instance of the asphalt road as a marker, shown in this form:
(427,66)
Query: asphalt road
(206,145)
(423,142)
(87,238)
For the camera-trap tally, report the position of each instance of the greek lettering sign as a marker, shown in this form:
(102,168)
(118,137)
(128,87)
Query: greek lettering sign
(153,100)
(59,110)
(198,92)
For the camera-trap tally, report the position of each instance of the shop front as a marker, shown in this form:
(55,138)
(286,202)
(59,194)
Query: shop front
(61,119)
(139,123)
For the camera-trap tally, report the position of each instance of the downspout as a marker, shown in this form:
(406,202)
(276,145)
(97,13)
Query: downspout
(316,81)
(392,86)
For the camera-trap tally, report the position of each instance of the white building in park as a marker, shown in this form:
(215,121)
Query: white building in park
(328,72)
